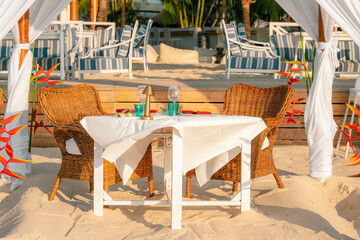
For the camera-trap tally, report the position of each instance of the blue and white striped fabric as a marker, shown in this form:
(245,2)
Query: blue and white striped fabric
(308,51)
(103,38)
(252,53)
(254,63)
(47,48)
(4,64)
(285,46)
(235,49)
(349,51)
(140,36)
(138,52)
(5,48)
(47,63)
(71,38)
(125,35)
(242,32)
(101,63)
(349,66)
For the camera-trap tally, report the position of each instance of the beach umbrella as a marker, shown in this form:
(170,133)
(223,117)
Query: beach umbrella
(39,15)
(316,17)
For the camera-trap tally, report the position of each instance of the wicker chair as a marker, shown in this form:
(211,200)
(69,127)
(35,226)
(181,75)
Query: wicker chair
(270,104)
(64,108)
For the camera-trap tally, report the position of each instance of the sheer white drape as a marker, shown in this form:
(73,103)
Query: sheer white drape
(41,14)
(319,123)
(346,13)
(11,12)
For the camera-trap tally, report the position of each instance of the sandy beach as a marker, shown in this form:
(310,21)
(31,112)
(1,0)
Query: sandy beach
(305,209)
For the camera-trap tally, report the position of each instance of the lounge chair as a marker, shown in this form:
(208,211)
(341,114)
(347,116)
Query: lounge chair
(270,104)
(141,42)
(64,108)
(247,57)
(114,58)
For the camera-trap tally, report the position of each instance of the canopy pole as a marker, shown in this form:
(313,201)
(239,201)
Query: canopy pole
(93,11)
(321,27)
(24,35)
(122,17)
(74,16)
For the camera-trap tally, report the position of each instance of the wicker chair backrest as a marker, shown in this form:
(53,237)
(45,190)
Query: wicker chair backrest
(246,100)
(69,105)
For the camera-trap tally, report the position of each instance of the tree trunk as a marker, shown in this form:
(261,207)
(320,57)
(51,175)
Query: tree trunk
(198,14)
(246,15)
(181,17)
(202,12)
(122,7)
(102,14)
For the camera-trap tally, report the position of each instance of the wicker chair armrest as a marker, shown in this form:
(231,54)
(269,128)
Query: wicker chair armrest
(272,122)
(71,127)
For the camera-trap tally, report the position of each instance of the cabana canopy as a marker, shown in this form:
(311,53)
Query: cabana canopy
(317,18)
(41,14)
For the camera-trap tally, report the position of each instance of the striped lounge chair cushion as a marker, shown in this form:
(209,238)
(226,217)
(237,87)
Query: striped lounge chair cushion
(47,48)
(308,51)
(254,63)
(285,46)
(4,64)
(103,37)
(125,35)
(70,38)
(5,48)
(349,66)
(103,63)
(235,49)
(46,63)
(140,36)
(242,32)
(349,51)
(251,53)
(138,52)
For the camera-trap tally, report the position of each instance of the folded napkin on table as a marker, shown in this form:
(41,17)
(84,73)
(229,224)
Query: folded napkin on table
(194,112)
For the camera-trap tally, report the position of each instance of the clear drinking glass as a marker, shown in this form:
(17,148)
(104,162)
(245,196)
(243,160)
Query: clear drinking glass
(174,94)
(139,94)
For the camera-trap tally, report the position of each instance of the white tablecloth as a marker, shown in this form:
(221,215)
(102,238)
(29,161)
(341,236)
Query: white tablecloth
(209,142)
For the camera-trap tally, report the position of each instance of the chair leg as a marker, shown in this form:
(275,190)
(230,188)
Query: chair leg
(188,187)
(151,186)
(235,186)
(106,189)
(55,188)
(344,122)
(278,180)
(91,186)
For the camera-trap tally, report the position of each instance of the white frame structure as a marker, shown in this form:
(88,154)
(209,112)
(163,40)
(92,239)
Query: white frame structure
(146,39)
(244,46)
(93,51)
(172,181)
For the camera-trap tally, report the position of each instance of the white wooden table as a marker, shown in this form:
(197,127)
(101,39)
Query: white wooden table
(173,173)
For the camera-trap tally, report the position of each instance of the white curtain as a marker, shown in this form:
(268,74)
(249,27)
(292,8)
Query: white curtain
(10,12)
(319,123)
(346,14)
(41,14)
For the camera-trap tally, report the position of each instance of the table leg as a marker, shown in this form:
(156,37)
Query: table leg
(245,175)
(167,166)
(176,181)
(98,180)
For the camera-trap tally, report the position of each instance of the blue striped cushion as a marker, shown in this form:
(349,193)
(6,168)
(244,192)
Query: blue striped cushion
(242,32)
(123,50)
(254,63)
(349,66)
(5,48)
(138,52)
(4,64)
(103,37)
(140,33)
(285,45)
(349,51)
(47,63)
(308,51)
(100,63)
(71,38)
(235,49)
(252,53)
(47,48)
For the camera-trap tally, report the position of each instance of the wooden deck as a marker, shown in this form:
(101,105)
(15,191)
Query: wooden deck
(203,88)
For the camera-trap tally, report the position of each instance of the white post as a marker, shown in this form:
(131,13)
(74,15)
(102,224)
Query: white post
(176,181)
(62,56)
(98,180)
(245,175)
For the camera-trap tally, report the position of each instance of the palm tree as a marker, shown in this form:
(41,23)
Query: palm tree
(246,15)
(103,9)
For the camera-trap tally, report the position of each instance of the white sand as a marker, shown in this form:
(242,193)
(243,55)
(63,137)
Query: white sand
(306,209)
